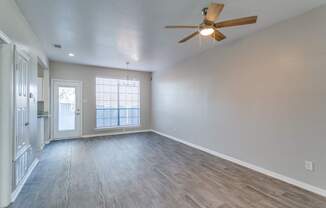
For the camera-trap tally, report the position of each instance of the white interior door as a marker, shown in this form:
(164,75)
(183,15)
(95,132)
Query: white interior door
(22,97)
(22,148)
(67,112)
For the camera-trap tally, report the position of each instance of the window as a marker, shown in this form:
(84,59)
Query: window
(117,103)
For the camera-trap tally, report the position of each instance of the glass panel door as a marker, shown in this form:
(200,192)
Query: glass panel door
(66,109)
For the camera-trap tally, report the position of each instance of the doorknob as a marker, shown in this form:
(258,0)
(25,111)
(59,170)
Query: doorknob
(26,124)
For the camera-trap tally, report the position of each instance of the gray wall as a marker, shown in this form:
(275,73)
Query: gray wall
(14,25)
(261,99)
(87,75)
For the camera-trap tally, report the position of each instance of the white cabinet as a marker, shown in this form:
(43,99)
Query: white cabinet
(43,88)
(46,85)
(41,133)
(40,86)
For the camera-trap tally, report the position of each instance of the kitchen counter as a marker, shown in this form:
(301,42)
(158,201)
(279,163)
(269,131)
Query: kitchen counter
(43,115)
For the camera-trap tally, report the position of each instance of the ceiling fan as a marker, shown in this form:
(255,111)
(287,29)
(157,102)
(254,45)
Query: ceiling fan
(209,28)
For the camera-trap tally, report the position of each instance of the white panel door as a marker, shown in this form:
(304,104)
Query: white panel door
(22,147)
(22,111)
(66,109)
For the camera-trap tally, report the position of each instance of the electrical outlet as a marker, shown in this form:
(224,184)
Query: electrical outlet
(309,165)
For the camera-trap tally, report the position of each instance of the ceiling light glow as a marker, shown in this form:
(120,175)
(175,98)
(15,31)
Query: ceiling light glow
(206,31)
(71,54)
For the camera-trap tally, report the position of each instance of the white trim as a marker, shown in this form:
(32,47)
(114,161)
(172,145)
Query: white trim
(21,185)
(24,53)
(5,38)
(43,65)
(278,176)
(116,133)
(6,121)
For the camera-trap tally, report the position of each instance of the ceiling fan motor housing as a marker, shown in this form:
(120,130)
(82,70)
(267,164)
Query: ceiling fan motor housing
(204,11)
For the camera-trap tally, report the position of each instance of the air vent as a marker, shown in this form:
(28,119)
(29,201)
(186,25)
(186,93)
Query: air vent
(57,45)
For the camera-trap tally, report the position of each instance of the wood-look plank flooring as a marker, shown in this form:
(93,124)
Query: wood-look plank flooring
(146,170)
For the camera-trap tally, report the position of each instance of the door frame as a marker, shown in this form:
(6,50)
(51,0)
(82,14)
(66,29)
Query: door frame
(5,38)
(6,125)
(80,133)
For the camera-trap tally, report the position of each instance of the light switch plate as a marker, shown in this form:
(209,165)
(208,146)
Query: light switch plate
(309,165)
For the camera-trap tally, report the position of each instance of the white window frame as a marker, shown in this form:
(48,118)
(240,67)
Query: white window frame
(119,126)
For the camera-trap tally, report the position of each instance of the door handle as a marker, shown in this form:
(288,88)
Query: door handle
(27,123)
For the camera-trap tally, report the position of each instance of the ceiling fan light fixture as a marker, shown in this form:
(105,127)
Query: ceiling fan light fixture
(206,31)
(209,27)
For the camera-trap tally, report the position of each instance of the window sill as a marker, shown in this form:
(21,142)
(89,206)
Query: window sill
(116,128)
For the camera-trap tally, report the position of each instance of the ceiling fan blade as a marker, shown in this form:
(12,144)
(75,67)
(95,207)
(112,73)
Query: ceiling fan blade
(236,22)
(181,26)
(189,37)
(218,36)
(213,12)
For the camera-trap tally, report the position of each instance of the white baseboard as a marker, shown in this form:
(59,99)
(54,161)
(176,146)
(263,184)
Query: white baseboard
(115,133)
(278,176)
(21,185)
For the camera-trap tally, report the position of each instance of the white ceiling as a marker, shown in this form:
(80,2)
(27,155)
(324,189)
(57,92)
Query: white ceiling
(111,32)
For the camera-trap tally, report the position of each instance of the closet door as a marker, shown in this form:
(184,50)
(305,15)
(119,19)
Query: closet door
(22,147)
